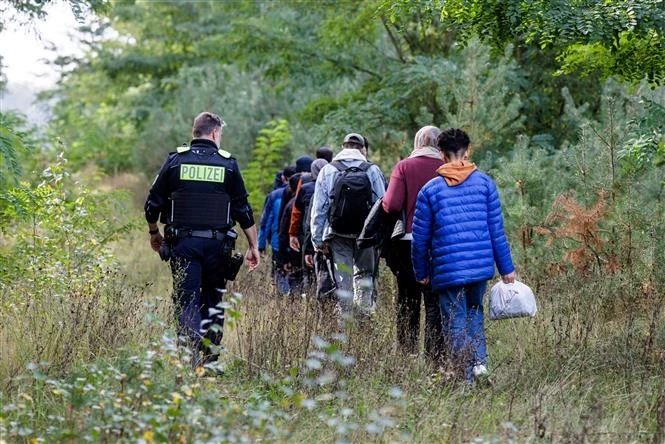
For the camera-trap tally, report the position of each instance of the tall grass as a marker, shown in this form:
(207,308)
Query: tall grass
(589,367)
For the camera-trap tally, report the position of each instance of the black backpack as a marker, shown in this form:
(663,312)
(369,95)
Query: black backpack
(351,198)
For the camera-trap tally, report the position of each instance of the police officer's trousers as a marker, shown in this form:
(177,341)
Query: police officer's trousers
(196,264)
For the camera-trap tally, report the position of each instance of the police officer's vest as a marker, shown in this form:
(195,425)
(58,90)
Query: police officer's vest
(200,209)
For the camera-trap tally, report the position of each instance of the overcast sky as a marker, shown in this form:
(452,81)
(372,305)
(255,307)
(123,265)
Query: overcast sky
(23,50)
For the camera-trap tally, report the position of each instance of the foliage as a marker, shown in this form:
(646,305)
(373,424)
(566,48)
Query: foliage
(272,147)
(286,62)
(154,396)
(36,9)
(628,33)
(55,219)
(55,236)
(562,103)
(13,142)
(469,90)
(645,147)
(237,96)
(559,188)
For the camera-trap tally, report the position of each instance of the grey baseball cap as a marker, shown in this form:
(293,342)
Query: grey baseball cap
(354,138)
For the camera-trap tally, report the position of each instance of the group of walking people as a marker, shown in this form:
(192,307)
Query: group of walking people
(437,222)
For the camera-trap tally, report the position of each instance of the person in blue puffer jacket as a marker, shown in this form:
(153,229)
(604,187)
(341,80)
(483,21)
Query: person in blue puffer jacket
(458,237)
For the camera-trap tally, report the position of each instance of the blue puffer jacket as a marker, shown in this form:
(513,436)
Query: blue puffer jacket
(458,232)
(269,226)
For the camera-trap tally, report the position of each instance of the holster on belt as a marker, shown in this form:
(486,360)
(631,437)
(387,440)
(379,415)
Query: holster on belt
(231,262)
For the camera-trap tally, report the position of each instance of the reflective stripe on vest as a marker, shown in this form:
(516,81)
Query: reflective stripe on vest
(202,173)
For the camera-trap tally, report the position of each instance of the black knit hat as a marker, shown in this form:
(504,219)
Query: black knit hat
(303,164)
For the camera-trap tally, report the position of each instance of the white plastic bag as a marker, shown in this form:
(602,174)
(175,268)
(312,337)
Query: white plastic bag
(511,301)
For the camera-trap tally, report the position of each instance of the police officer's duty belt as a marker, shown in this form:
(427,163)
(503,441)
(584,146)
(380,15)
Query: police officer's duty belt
(206,234)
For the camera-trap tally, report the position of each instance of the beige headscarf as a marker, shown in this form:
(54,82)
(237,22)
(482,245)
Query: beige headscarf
(424,144)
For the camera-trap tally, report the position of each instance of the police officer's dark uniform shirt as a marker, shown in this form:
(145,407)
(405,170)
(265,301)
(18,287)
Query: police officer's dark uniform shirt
(199,190)
(203,169)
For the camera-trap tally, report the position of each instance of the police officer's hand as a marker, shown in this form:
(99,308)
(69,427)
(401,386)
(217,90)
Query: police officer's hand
(252,258)
(156,241)
(425,281)
(294,243)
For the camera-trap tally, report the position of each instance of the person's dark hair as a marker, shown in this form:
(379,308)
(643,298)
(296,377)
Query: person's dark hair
(324,152)
(353,146)
(289,171)
(205,123)
(453,141)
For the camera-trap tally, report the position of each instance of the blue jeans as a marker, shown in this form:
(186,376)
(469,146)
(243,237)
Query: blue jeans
(463,324)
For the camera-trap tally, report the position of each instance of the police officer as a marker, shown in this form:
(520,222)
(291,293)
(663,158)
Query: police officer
(200,194)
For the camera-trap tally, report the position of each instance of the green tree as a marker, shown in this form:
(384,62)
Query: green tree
(624,38)
(268,157)
(328,69)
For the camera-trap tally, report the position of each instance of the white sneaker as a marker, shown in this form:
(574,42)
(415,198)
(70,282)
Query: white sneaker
(479,370)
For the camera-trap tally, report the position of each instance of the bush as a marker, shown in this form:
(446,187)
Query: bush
(62,298)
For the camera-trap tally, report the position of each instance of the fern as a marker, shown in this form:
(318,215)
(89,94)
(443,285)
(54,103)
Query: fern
(270,154)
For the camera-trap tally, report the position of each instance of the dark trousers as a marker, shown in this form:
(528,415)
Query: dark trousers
(325,276)
(196,264)
(409,295)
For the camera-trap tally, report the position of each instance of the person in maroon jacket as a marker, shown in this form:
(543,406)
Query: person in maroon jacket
(406,180)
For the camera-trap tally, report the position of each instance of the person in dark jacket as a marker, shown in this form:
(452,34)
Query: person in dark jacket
(304,193)
(299,233)
(458,237)
(290,259)
(199,194)
(406,180)
(323,154)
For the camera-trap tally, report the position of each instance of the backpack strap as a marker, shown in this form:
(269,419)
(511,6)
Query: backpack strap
(339,165)
(364,166)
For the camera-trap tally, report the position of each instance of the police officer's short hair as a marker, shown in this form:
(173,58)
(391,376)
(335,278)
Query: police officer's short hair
(205,123)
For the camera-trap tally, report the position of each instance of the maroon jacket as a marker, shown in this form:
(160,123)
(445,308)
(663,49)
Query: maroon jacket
(406,180)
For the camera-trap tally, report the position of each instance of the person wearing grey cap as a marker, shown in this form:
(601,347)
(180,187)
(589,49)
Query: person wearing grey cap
(345,191)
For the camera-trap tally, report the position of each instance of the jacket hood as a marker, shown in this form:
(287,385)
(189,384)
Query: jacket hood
(350,154)
(317,166)
(457,172)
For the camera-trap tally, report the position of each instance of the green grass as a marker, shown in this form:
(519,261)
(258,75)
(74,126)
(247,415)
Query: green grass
(588,367)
